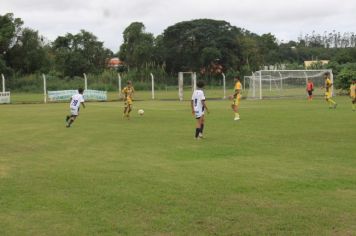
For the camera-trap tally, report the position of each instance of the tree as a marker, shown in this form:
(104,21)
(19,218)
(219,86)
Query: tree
(268,48)
(189,45)
(28,55)
(10,28)
(251,59)
(80,53)
(346,75)
(138,46)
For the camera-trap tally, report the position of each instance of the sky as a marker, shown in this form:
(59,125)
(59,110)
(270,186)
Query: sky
(107,19)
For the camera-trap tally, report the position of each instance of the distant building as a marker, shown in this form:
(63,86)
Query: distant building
(308,64)
(114,62)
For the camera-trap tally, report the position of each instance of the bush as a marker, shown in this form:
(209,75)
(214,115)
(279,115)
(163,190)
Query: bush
(346,75)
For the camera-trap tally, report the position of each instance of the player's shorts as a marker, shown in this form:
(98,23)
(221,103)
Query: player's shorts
(128,102)
(310,92)
(327,95)
(198,114)
(74,111)
(236,100)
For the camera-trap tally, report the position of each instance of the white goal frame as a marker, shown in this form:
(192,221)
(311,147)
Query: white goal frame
(258,77)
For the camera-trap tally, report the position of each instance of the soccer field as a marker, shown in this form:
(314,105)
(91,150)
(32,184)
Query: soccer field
(288,167)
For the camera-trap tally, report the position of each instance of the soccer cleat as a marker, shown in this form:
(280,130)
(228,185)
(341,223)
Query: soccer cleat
(68,125)
(200,135)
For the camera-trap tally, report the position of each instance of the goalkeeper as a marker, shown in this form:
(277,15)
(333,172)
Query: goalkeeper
(310,89)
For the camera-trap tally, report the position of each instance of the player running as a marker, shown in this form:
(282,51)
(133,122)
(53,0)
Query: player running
(75,102)
(310,89)
(353,94)
(128,92)
(199,107)
(328,91)
(237,97)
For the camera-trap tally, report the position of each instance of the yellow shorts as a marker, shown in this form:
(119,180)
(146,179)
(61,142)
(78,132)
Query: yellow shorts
(236,100)
(128,102)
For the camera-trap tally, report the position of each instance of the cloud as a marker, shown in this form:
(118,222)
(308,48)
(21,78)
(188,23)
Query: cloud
(108,19)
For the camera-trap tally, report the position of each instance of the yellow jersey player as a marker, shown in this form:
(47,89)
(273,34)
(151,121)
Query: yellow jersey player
(236,98)
(328,90)
(128,92)
(353,93)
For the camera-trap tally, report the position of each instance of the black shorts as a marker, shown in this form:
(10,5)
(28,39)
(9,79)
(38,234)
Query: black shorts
(310,93)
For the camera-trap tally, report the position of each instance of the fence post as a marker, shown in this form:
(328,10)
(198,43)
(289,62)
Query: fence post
(119,83)
(44,88)
(224,85)
(153,86)
(85,81)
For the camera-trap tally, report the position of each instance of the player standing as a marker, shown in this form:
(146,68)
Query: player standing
(353,94)
(75,102)
(198,106)
(310,89)
(328,91)
(237,97)
(128,92)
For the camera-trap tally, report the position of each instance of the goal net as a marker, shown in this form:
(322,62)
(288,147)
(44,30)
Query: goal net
(284,83)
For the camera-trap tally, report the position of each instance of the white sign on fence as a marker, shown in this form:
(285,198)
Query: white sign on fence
(4,97)
(65,95)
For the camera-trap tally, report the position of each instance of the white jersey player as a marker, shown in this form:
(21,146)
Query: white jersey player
(75,102)
(199,107)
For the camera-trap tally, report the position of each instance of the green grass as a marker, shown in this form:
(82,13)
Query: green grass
(287,168)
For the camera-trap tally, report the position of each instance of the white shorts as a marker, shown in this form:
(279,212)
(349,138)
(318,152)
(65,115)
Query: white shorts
(198,114)
(74,111)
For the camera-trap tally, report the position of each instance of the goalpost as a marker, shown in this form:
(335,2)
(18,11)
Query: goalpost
(181,83)
(285,83)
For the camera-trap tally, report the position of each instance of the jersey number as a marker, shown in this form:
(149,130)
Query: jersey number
(75,102)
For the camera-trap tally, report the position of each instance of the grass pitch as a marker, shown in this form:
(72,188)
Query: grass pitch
(286,168)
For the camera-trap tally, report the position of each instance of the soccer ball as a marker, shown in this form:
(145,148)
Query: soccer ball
(141,112)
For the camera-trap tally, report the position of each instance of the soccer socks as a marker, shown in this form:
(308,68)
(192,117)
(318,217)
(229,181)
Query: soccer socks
(201,128)
(237,115)
(353,107)
(70,122)
(332,103)
(197,131)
